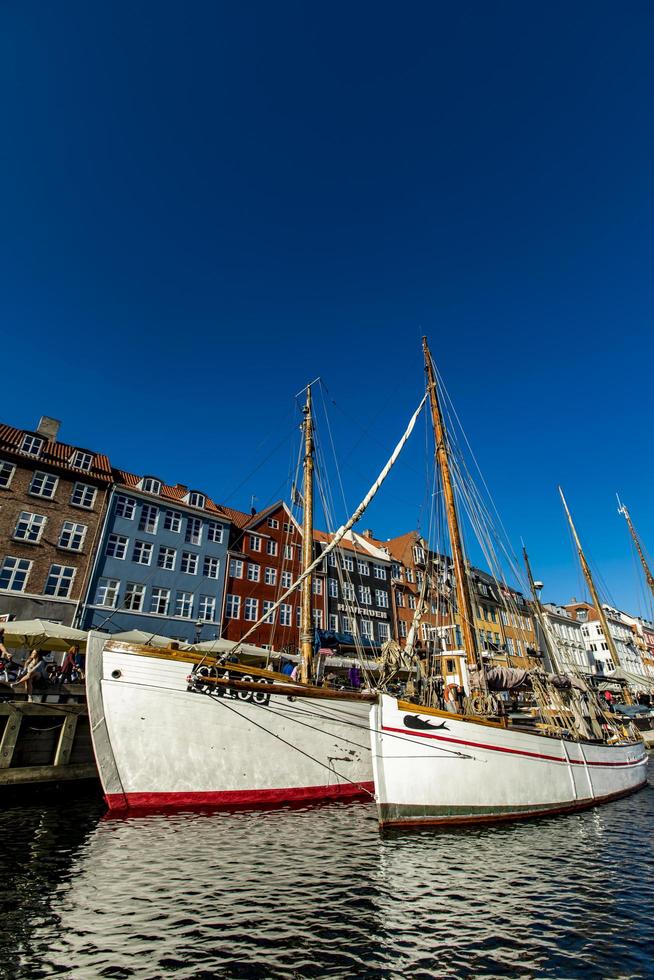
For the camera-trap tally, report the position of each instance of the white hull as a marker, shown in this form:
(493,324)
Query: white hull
(159,745)
(440,769)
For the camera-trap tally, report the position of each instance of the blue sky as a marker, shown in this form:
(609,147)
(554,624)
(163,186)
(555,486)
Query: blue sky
(204,207)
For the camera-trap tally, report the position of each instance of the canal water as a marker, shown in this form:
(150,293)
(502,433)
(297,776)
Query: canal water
(319,893)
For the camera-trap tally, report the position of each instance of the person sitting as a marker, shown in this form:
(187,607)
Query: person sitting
(35,675)
(68,668)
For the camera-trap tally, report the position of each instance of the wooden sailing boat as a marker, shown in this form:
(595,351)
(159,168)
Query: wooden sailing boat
(172,730)
(435,767)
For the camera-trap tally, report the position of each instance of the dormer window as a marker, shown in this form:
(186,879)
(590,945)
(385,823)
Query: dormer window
(31,445)
(196,499)
(81,460)
(151,485)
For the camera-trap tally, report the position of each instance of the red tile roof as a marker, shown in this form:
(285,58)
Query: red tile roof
(174,493)
(57,454)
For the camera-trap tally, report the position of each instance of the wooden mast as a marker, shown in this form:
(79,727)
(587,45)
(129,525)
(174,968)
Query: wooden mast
(648,575)
(540,615)
(610,642)
(464,599)
(306,621)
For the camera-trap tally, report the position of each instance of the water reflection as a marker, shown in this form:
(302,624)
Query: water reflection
(318,892)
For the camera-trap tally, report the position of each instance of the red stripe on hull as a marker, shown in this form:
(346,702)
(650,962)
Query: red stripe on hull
(233,799)
(525,752)
(552,811)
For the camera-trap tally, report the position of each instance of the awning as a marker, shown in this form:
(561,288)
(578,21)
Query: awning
(634,680)
(41,634)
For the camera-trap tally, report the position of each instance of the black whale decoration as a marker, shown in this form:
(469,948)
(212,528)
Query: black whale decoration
(412,721)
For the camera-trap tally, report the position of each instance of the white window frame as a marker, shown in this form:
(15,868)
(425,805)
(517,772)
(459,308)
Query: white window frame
(333,588)
(165,552)
(119,540)
(20,567)
(251,609)
(365,595)
(255,542)
(173,521)
(81,460)
(286,614)
(232,606)
(215,532)
(196,499)
(194,526)
(7,471)
(184,602)
(149,518)
(211,567)
(31,445)
(271,547)
(273,523)
(380,572)
(82,490)
(270,576)
(235,568)
(74,533)
(31,522)
(46,480)
(159,600)
(134,598)
(125,506)
(347,625)
(267,604)
(207,608)
(145,549)
(287,580)
(363,567)
(61,577)
(333,622)
(107,589)
(150,484)
(190,560)
(383,632)
(347,563)
(254,572)
(381,597)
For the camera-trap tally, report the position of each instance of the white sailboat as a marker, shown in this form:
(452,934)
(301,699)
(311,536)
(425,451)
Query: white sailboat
(435,767)
(172,729)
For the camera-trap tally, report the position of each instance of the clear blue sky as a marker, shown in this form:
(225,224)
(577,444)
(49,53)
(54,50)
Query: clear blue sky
(206,205)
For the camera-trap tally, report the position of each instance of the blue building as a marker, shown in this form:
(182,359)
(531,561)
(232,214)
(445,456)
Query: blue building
(160,563)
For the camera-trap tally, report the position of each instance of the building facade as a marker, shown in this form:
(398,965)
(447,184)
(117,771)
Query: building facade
(569,640)
(160,565)
(412,563)
(595,641)
(53,499)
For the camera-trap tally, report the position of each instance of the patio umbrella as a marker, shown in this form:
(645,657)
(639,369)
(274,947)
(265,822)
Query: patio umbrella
(141,636)
(42,635)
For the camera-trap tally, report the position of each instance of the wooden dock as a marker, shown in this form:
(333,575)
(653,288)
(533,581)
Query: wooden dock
(44,742)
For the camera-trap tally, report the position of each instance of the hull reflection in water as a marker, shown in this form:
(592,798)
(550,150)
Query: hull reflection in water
(317,892)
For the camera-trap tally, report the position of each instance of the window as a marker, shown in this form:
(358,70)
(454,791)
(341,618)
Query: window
(207,608)
(166,558)
(173,521)
(285,612)
(287,580)
(395,570)
(196,499)
(106,593)
(184,604)
(43,485)
(333,622)
(270,576)
(412,602)
(288,527)
(273,523)
(399,599)
(215,532)
(233,607)
(150,485)
(255,542)
(364,595)
(254,572)
(424,630)
(117,546)
(59,581)
(189,563)
(402,626)
(29,527)
(149,519)
(271,547)
(31,445)
(298,616)
(380,571)
(363,568)
(410,576)
(346,623)
(347,563)
(348,591)
(251,610)
(381,598)
(159,601)
(288,551)
(83,496)
(211,567)
(383,632)
(81,460)
(194,530)
(317,618)
(134,596)
(142,553)
(317,586)
(267,606)
(72,536)
(125,506)
(236,568)
(333,588)
(7,471)
(332,559)
(419,555)
(419,577)
(13,574)
(366,629)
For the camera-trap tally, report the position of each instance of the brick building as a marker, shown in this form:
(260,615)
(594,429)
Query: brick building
(411,560)
(160,565)
(265,557)
(52,504)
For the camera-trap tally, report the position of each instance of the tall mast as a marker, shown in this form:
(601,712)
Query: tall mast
(540,615)
(306,621)
(648,575)
(464,599)
(610,642)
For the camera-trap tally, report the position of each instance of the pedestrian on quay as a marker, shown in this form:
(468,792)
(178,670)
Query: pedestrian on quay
(35,676)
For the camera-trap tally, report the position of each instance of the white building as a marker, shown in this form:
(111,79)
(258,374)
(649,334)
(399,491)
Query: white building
(568,638)
(595,641)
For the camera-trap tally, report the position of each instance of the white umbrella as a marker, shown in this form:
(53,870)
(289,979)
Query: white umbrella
(42,635)
(140,636)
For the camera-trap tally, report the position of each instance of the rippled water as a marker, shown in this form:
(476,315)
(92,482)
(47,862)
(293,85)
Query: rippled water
(318,893)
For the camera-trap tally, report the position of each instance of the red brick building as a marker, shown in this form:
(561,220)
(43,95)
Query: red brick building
(264,558)
(52,504)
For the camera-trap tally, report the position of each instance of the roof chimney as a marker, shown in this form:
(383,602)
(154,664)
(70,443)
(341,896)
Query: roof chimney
(48,428)
(368,534)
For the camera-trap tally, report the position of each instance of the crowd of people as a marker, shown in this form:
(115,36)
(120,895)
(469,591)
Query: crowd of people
(38,673)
